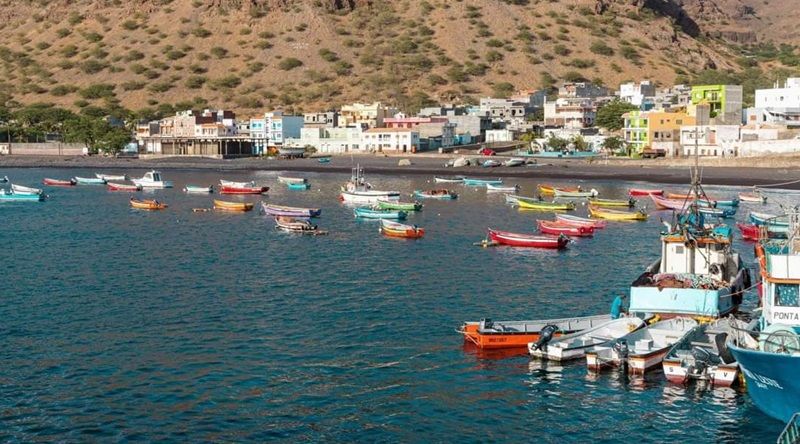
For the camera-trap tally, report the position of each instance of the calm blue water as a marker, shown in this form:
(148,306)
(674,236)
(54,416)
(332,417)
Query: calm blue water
(120,324)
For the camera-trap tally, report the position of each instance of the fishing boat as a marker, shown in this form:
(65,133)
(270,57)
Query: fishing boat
(405,206)
(616,215)
(147,204)
(701,356)
(281,210)
(557,228)
(487,334)
(642,349)
(152,179)
(443,194)
(19,189)
(769,219)
(550,190)
(232,184)
(491,163)
(371,213)
(287,179)
(768,352)
(111,186)
(11,196)
(243,190)
(89,181)
(501,189)
(525,204)
(110,177)
(527,240)
(358,191)
(297,225)
(559,192)
(514,162)
(755,197)
(645,192)
(576,345)
(298,186)
(59,183)
(580,221)
(197,189)
(482,182)
(454,179)
(232,206)
(394,229)
(611,203)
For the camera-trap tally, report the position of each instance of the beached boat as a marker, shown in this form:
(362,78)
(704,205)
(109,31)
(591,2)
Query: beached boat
(297,225)
(287,179)
(609,214)
(753,197)
(152,179)
(110,177)
(501,189)
(642,349)
(576,345)
(455,179)
(513,162)
(324,160)
(701,356)
(769,219)
(371,213)
(443,194)
(526,204)
(232,184)
(580,221)
(394,229)
(111,186)
(482,182)
(645,192)
(550,190)
(59,183)
(358,191)
(232,206)
(11,196)
(298,186)
(243,190)
(487,334)
(610,203)
(197,189)
(557,228)
(89,181)
(527,240)
(405,206)
(491,163)
(292,151)
(19,189)
(281,210)
(560,192)
(147,204)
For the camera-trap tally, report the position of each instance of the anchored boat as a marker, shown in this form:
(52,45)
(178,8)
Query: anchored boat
(550,190)
(550,227)
(630,203)
(405,206)
(395,229)
(526,204)
(358,191)
(442,194)
(59,183)
(455,179)
(89,180)
(755,197)
(487,334)
(111,177)
(147,204)
(528,240)
(243,190)
(152,179)
(19,189)
(371,213)
(645,192)
(195,189)
(232,206)
(580,221)
(609,214)
(281,210)
(287,179)
(295,225)
(561,192)
(576,345)
(123,187)
(482,182)
(232,184)
(501,189)
(11,196)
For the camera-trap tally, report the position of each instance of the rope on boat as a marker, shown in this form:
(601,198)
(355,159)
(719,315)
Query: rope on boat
(776,184)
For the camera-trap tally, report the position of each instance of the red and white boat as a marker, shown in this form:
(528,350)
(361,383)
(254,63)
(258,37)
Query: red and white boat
(576,221)
(243,190)
(527,240)
(59,183)
(645,192)
(551,227)
(123,187)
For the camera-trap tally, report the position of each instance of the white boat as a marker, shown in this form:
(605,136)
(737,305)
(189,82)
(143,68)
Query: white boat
(195,189)
(514,162)
(557,192)
(642,349)
(575,345)
(228,183)
(455,179)
(292,151)
(358,191)
(111,177)
(19,189)
(152,179)
(501,189)
(285,179)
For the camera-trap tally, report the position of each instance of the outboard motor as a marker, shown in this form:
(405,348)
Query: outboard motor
(621,347)
(722,348)
(702,359)
(545,336)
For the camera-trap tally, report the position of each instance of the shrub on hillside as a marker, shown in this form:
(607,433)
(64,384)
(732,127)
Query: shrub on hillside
(289,63)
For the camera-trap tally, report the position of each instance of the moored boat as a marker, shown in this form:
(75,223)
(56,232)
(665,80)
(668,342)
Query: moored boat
(769,219)
(405,206)
(630,203)
(501,189)
(59,183)
(152,179)
(609,214)
(232,206)
(288,179)
(526,204)
(371,213)
(358,191)
(549,227)
(481,182)
(527,240)
(111,186)
(232,184)
(297,225)
(20,189)
(110,177)
(298,186)
(561,192)
(550,190)
(580,221)
(443,194)
(89,180)
(755,197)
(11,196)
(645,192)
(454,179)
(197,189)
(575,345)
(718,212)
(147,204)
(282,210)
(395,229)
(243,190)
(488,334)
(752,232)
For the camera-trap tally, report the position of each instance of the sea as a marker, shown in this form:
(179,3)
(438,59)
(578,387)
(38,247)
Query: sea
(127,325)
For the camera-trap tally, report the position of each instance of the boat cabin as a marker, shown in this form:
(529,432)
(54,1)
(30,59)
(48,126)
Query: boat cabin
(152,176)
(781,286)
(706,256)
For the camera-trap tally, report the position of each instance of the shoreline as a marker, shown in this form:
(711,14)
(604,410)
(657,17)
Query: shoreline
(431,165)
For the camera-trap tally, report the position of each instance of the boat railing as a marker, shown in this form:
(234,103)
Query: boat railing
(791,434)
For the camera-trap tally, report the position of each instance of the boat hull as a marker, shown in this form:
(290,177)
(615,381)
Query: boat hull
(547,227)
(404,206)
(645,192)
(89,181)
(772,381)
(58,183)
(369,197)
(279,210)
(436,194)
(528,241)
(147,204)
(525,331)
(482,182)
(367,213)
(545,206)
(12,197)
(192,189)
(122,187)
(239,190)
(232,206)
(608,214)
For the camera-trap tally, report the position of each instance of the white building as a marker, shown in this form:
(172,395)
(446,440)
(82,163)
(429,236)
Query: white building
(710,140)
(778,105)
(390,139)
(280,127)
(636,93)
(569,112)
(499,135)
(329,140)
(500,109)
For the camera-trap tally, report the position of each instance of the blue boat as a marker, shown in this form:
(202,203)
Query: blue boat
(298,186)
(324,160)
(718,212)
(482,182)
(768,219)
(370,213)
(89,181)
(9,196)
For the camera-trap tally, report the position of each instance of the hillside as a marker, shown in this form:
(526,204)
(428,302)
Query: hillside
(317,54)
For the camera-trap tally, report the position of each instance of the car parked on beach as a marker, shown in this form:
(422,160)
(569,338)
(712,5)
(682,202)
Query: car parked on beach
(486,152)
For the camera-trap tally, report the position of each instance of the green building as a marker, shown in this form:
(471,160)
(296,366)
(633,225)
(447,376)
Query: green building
(635,130)
(725,102)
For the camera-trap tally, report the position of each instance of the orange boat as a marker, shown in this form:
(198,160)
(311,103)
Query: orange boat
(147,204)
(395,229)
(550,189)
(487,334)
(232,206)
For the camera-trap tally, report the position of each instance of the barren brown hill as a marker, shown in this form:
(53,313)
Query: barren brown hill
(317,54)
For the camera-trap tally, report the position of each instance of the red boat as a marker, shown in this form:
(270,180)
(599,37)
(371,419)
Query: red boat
(750,232)
(645,192)
(243,190)
(528,240)
(123,187)
(59,183)
(550,227)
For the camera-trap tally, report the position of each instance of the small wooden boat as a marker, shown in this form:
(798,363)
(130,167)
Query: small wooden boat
(111,186)
(19,189)
(769,219)
(575,345)
(443,194)
(11,196)
(394,229)
(89,180)
(630,203)
(753,197)
(297,225)
(232,206)
(455,179)
(550,190)
(545,206)
(642,349)
(550,227)
(580,221)
(281,210)
(559,192)
(482,182)
(228,183)
(298,186)
(491,163)
(514,162)
(608,214)
(147,204)
(153,179)
(110,177)
(527,240)
(196,189)
(243,190)
(59,183)
(670,204)
(287,179)
(488,334)
(371,213)
(501,189)
(645,192)
(405,206)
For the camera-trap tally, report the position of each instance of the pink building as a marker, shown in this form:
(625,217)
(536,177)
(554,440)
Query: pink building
(401,121)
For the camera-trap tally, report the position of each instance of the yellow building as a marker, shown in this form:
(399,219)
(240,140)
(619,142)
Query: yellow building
(655,130)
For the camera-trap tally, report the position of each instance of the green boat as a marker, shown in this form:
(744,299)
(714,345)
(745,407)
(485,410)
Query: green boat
(369,213)
(404,206)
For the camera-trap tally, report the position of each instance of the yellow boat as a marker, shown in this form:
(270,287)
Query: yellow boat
(147,204)
(602,213)
(549,190)
(630,203)
(529,204)
(232,206)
